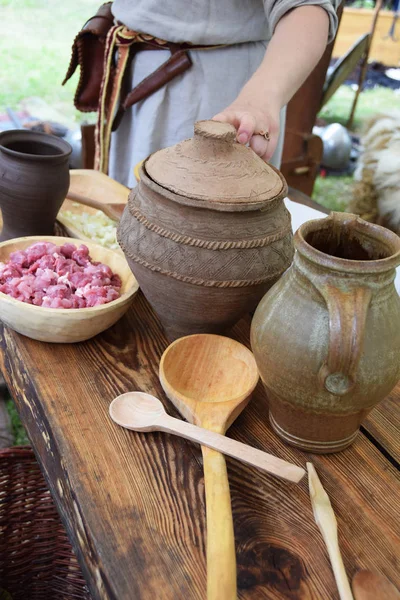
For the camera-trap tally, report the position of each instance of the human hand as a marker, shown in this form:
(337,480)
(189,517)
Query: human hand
(254,125)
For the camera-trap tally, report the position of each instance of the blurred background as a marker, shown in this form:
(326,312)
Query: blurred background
(35,51)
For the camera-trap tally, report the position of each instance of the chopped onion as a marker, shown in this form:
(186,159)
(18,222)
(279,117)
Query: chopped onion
(98,227)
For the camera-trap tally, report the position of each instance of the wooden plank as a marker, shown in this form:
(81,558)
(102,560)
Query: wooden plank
(383,424)
(133,503)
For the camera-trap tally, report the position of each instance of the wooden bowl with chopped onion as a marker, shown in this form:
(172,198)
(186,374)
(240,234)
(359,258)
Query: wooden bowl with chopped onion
(67,325)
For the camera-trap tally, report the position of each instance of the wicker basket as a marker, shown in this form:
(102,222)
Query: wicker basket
(36,558)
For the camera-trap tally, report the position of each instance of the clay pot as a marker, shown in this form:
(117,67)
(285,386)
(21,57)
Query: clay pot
(326,337)
(206,232)
(34,180)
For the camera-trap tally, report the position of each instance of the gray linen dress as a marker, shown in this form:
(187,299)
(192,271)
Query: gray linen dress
(215,78)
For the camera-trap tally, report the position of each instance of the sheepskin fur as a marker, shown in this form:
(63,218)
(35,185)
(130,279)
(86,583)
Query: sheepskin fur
(376,194)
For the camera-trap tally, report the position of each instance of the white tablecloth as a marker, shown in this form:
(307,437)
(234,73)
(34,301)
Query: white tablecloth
(301,214)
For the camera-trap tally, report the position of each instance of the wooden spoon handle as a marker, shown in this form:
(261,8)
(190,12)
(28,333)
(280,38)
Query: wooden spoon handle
(243,452)
(107,209)
(326,521)
(221,557)
(338,568)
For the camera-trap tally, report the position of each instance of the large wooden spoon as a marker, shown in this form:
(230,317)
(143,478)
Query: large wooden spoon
(114,211)
(370,585)
(97,190)
(209,379)
(94,184)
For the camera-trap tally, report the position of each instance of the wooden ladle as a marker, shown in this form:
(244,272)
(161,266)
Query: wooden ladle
(113,211)
(209,379)
(97,190)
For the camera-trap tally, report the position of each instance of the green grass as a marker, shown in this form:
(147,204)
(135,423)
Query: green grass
(333,192)
(20,437)
(36,38)
(370,102)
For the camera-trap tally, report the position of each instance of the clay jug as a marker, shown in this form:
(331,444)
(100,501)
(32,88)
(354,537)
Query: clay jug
(206,232)
(326,337)
(34,180)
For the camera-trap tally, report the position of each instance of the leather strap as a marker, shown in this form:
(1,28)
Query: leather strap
(178,63)
(88,53)
(121,45)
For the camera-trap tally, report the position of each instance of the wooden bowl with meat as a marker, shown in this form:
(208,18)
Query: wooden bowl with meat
(56,289)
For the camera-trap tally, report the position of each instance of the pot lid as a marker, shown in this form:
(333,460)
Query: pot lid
(212,167)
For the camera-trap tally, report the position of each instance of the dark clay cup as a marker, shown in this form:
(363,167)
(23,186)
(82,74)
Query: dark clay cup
(34,180)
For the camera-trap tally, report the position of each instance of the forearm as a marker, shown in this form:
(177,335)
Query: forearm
(298,43)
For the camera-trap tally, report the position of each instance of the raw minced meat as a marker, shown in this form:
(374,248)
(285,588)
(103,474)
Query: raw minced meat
(58,277)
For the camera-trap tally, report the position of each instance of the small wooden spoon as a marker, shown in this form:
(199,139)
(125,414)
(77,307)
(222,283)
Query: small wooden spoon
(143,412)
(370,585)
(210,378)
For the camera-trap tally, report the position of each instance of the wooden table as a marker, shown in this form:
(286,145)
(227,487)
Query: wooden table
(133,504)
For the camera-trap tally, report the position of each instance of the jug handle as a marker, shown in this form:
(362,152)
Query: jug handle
(347,316)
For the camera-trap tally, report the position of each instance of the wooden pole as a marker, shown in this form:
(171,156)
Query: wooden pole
(364,64)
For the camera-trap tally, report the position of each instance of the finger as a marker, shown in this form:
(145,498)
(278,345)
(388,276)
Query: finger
(259,144)
(222,117)
(246,128)
(227,117)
